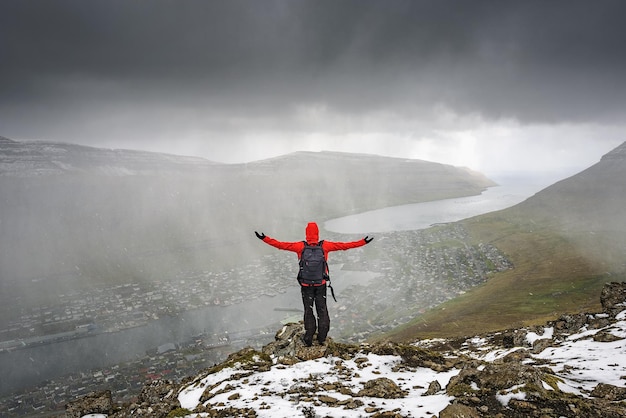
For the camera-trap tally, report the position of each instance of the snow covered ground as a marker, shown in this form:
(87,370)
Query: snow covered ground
(579,361)
(268,392)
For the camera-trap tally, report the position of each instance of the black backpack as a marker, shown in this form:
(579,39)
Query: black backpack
(312,264)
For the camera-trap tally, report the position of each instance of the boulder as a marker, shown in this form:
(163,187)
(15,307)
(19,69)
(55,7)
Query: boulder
(382,387)
(613,298)
(457,410)
(609,392)
(433,388)
(92,403)
(288,347)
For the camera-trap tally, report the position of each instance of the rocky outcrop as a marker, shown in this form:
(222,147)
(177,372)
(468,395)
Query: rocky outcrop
(516,373)
(381,388)
(288,347)
(613,298)
(522,385)
(93,403)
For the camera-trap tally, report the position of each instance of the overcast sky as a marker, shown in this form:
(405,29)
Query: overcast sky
(492,85)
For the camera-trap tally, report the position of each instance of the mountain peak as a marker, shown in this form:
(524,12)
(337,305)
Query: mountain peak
(618,153)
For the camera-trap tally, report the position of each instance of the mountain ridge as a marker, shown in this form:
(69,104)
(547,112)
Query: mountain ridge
(36,158)
(564,242)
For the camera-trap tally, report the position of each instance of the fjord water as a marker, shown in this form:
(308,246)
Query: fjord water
(423,215)
(28,366)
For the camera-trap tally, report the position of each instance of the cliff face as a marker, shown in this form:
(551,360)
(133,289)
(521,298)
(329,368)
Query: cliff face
(570,367)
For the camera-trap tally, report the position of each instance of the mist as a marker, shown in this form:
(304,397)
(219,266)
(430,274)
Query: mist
(250,108)
(111,256)
(156,249)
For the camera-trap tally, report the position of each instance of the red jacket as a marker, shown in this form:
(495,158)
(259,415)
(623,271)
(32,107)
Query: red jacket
(312,238)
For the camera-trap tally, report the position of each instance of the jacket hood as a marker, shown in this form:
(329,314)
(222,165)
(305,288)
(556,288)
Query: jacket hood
(312,233)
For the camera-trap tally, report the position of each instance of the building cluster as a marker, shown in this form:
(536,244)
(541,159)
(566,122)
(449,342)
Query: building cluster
(117,307)
(125,380)
(417,271)
(414,271)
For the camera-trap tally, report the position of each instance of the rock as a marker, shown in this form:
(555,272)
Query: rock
(494,377)
(413,356)
(157,399)
(283,348)
(305,353)
(540,345)
(387,414)
(516,356)
(246,359)
(158,391)
(350,403)
(342,350)
(288,347)
(433,388)
(382,387)
(308,412)
(328,400)
(508,341)
(609,392)
(522,405)
(372,409)
(606,337)
(570,324)
(613,298)
(92,403)
(457,410)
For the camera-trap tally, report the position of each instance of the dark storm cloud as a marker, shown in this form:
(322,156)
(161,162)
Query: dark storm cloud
(535,61)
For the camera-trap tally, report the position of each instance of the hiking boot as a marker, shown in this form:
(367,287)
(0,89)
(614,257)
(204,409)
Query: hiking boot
(306,342)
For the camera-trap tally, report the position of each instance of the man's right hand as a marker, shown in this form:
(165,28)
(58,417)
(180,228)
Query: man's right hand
(259,236)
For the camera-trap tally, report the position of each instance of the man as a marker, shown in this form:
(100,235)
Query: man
(313,292)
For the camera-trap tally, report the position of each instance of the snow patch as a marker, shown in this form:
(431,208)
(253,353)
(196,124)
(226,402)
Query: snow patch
(272,388)
(511,393)
(548,333)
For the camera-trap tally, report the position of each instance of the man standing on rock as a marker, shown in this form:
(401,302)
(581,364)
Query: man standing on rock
(313,276)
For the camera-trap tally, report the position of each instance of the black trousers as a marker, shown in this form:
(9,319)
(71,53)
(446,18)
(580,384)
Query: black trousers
(315,296)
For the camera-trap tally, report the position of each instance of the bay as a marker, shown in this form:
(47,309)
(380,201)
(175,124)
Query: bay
(424,215)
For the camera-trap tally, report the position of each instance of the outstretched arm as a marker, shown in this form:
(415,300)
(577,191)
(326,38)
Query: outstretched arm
(296,247)
(335,246)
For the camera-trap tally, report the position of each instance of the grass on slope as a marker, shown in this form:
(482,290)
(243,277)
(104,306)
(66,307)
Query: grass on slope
(551,277)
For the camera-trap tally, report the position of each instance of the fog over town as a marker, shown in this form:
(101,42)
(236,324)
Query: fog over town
(120,254)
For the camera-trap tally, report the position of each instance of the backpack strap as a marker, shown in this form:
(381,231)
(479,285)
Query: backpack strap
(332,291)
(326,269)
(327,274)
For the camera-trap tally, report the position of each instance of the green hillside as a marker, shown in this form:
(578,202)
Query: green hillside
(565,243)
